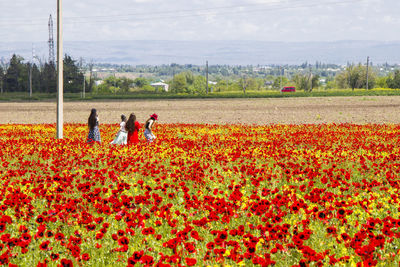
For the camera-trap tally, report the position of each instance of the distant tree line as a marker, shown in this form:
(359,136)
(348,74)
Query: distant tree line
(15,76)
(114,84)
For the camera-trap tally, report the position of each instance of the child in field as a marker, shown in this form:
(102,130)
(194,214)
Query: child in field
(122,136)
(133,127)
(148,133)
(93,123)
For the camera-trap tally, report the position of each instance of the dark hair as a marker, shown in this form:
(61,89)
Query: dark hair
(130,124)
(147,123)
(123,117)
(92,121)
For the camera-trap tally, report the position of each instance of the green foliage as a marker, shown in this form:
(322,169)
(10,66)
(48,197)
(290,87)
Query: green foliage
(381,82)
(279,82)
(394,82)
(140,82)
(125,84)
(226,86)
(48,78)
(179,83)
(198,86)
(331,85)
(187,82)
(356,77)
(306,82)
(73,77)
(249,84)
(13,78)
(112,84)
(16,77)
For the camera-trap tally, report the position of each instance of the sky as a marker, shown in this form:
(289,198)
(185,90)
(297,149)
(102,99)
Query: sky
(261,20)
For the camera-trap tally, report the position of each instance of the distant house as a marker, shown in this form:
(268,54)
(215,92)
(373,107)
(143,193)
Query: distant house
(162,85)
(268,83)
(97,83)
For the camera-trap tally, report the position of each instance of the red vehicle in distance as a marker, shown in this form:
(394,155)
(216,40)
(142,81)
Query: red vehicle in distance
(288,89)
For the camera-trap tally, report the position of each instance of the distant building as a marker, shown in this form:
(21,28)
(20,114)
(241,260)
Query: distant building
(162,85)
(268,83)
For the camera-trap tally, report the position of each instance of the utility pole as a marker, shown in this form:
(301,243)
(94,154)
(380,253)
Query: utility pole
(30,79)
(84,80)
(280,74)
(310,79)
(30,74)
(115,88)
(367,70)
(84,85)
(207,76)
(60,79)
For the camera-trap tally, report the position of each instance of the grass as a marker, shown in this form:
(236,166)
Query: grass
(19,96)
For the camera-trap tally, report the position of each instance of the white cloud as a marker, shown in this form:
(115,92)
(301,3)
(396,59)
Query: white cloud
(199,19)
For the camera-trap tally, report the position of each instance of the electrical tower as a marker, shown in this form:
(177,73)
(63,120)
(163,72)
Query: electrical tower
(51,41)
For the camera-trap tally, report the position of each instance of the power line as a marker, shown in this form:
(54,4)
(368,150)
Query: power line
(157,12)
(175,13)
(174,16)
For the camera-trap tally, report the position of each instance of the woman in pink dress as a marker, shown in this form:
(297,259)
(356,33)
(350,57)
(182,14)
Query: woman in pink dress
(133,126)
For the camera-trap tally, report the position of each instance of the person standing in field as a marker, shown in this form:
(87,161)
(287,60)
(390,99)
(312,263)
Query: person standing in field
(133,127)
(148,133)
(93,123)
(122,136)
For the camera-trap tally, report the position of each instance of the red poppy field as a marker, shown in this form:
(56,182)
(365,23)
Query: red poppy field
(222,195)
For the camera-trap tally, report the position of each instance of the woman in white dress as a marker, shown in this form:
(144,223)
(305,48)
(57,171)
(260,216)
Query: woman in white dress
(122,136)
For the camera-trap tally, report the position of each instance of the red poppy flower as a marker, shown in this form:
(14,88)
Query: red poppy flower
(190,261)
(44,245)
(66,263)
(123,241)
(54,256)
(85,257)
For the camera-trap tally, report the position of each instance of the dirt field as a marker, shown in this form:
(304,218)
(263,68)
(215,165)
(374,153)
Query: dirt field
(359,110)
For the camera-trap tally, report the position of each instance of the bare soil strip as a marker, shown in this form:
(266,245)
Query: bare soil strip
(358,110)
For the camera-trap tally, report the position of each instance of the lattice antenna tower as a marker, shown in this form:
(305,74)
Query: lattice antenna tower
(51,41)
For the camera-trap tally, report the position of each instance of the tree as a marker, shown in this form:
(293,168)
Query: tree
(356,77)
(35,78)
(189,77)
(394,82)
(279,82)
(48,78)
(247,83)
(73,77)
(12,79)
(179,83)
(198,86)
(306,82)
(124,84)
(315,82)
(381,82)
(140,82)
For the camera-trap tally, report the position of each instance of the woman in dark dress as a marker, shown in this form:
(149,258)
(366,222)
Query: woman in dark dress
(93,123)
